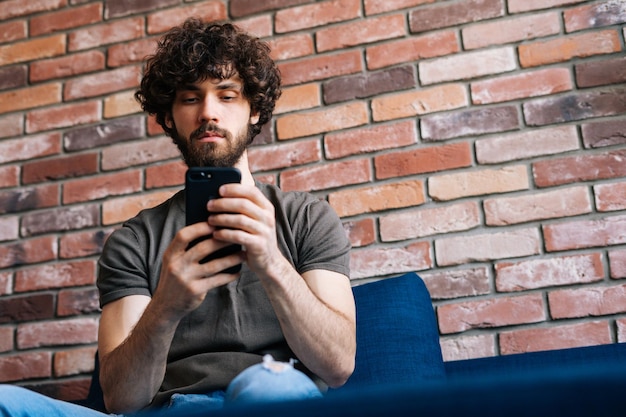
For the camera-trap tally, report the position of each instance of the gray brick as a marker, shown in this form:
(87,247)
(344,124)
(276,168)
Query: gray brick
(104,134)
(470,122)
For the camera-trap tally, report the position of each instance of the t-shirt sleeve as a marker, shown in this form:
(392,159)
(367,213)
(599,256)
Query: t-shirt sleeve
(323,243)
(122,267)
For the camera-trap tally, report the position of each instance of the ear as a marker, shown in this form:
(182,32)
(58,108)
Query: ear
(254,118)
(169,122)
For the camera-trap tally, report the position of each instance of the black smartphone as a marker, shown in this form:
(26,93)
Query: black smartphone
(201,185)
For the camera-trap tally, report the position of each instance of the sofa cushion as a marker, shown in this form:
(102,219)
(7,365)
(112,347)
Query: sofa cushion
(397,337)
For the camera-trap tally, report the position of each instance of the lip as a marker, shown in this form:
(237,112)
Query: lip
(210,137)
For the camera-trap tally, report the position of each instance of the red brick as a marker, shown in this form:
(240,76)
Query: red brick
(415,48)
(360,32)
(13,31)
(610,197)
(89,189)
(120,104)
(423,160)
(261,26)
(299,97)
(517,6)
(29,198)
(30,147)
(60,219)
(117,210)
(66,66)
(240,8)
(130,52)
(10,125)
(511,30)
(617,263)
(59,168)
(361,232)
(65,19)
(9,229)
(317,14)
(131,154)
(315,122)
(59,275)
(63,116)
(14,8)
(602,72)
(75,361)
(78,301)
(487,247)
(25,365)
(443,15)
(31,97)
(424,222)
(377,262)
(495,312)
(576,106)
(370,139)
(377,6)
(212,10)
(320,67)
(284,155)
(555,337)
(291,46)
(119,8)
(33,49)
(526,144)
(330,175)
(367,85)
(377,198)
(483,182)
(6,340)
(530,84)
(541,273)
(621,330)
(28,251)
(468,65)
(560,203)
(54,333)
(418,102)
(468,347)
(587,301)
(604,133)
(472,122)
(165,175)
(580,168)
(97,84)
(448,284)
(585,233)
(567,48)
(82,244)
(9,176)
(25,308)
(605,13)
(106,33)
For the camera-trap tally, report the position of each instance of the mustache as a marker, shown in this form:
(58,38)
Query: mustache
(209,127)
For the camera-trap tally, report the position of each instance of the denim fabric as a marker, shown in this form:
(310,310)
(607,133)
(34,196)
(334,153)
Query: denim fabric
(21,402)
(270,381)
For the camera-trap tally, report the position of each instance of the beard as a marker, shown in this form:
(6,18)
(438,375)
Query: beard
(226,153)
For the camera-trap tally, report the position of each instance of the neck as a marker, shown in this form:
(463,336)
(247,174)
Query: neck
(244,167)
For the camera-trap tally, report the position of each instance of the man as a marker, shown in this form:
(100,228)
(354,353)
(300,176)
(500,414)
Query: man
(176,331)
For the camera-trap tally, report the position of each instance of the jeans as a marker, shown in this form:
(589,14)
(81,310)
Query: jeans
(269,381)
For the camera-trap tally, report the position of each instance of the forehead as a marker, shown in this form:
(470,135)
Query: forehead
(231,83)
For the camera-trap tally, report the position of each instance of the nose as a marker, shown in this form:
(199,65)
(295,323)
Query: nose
(209,110)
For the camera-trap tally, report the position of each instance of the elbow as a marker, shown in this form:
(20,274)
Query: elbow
(342,373)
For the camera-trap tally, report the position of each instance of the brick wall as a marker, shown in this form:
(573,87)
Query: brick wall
(479,142)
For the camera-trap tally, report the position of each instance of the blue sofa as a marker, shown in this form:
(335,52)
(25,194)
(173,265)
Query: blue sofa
(400,372)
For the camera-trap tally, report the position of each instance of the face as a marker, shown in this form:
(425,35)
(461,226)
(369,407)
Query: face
(211,120)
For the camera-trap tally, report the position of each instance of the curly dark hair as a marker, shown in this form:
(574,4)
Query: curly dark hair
(196,51)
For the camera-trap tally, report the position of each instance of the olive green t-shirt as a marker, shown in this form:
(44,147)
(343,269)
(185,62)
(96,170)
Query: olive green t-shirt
(235,325)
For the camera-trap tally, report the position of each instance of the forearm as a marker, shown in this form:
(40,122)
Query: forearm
(132,373)
(321,336)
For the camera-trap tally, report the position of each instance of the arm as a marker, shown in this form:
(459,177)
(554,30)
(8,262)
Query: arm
(136,331)
(315,310)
